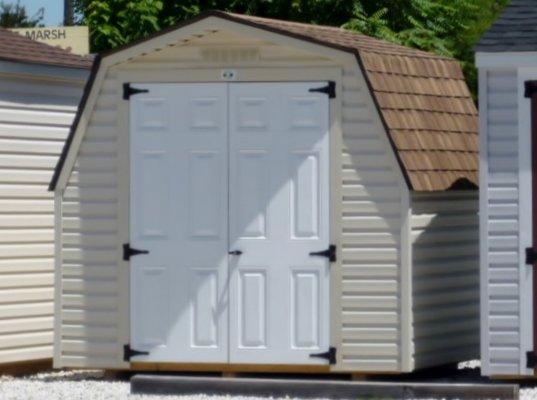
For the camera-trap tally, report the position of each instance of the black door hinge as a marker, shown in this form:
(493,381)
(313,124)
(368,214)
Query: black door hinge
(128,251)
(531,256)
(329,355)
(329,253)
(128,353)
(530,87)
(531,359)
(128,91)
(329,89)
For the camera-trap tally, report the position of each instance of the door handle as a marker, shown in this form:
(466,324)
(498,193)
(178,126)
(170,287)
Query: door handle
(235,252)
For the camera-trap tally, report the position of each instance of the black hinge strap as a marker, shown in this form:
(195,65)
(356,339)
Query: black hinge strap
(329,253)
(128,252)
(128,91)
(329,89)
(128,352)
(531,359)
(329,355)
(531,256)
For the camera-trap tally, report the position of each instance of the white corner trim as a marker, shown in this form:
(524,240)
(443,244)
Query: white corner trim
(525,211)
(483,223)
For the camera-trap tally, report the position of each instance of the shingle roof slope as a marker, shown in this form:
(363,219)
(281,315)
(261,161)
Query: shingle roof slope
(514,30)
(423,99)
(18,48)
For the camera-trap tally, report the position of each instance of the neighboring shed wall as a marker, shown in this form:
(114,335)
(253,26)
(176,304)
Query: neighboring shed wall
(368,319)
(35,116)
(445,277)
(500,223)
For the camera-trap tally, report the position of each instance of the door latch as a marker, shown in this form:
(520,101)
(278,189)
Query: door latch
(128,251)
(235,252)
(329,253)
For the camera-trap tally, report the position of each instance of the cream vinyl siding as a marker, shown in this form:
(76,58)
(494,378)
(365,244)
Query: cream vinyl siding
(500,268)
(35,115)
(372,192)
(445,277)
(367,309)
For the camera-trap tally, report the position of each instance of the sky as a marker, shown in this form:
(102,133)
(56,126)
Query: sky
(53,10)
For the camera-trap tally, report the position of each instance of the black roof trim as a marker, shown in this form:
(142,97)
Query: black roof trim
(223,15)
(84,99)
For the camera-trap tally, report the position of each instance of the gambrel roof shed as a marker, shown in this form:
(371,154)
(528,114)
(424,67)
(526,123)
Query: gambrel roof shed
(293,167)
(425,105)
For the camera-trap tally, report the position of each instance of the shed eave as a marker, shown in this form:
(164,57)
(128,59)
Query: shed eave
(506,59)
(49,71)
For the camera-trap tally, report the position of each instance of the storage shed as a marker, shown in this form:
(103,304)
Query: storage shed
(507,61)
(40,87)
(246,194)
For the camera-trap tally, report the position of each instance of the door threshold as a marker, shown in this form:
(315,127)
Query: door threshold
(225,367)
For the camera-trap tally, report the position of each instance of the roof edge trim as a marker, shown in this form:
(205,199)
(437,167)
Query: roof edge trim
(74,126)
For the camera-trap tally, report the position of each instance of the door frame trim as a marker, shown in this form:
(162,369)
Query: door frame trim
(213,75)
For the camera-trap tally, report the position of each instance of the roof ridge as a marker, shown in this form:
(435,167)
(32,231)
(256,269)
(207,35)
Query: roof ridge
(407,49)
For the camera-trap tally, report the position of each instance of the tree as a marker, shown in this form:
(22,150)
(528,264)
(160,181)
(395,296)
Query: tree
(446,27)
(15,16)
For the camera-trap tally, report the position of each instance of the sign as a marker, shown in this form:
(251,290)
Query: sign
(73,38)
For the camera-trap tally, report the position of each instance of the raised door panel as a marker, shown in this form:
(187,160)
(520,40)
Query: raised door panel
(278,215)
(179,214)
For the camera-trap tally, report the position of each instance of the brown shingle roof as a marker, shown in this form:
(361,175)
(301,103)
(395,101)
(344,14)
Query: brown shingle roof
(18,48)
(423,100)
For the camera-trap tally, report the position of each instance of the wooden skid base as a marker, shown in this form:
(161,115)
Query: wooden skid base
(25,367)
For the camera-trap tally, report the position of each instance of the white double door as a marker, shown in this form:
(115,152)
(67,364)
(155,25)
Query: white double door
(219,168)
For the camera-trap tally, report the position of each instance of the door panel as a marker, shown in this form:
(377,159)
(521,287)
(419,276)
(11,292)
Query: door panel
(263,146)
(278,215)
(179,213)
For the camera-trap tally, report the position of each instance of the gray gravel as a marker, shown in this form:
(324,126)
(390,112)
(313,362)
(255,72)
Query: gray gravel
(81,385)
(92,385)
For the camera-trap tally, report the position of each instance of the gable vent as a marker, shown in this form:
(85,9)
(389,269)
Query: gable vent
(230,54)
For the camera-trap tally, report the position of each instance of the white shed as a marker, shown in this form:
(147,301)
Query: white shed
(507,61)
(230,150)
(40,87)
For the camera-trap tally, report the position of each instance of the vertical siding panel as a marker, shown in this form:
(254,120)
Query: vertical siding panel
(34,121)
(500,230)
(445,277)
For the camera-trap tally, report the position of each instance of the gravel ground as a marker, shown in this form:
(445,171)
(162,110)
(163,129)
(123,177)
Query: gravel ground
(92,385)
(82,385)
